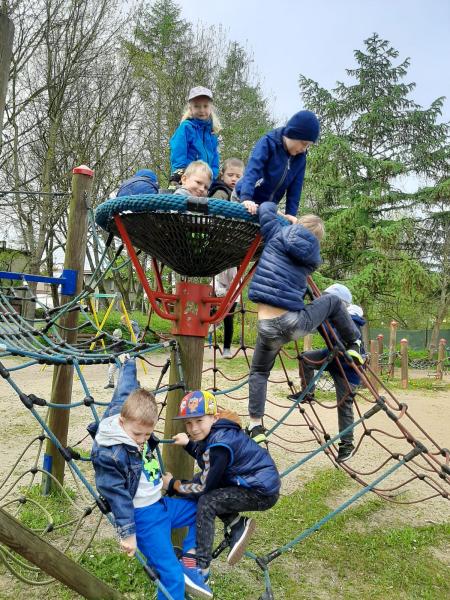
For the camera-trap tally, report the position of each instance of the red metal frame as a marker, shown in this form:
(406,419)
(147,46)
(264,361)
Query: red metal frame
(191,304)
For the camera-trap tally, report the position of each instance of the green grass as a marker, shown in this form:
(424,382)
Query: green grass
(349,558)
(56,504)
(421,383)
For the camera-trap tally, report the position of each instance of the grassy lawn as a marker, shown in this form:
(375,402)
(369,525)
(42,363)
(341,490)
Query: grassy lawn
(351,557)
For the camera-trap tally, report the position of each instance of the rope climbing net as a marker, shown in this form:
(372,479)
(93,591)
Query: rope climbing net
(392,455)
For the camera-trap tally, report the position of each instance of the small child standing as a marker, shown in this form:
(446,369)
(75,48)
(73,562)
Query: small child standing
(128,476)
(118,346)
(345,380)
(277,165)
(236,475)
(232,170)
(230,173)
(291,253)
(196,137)
(195,180)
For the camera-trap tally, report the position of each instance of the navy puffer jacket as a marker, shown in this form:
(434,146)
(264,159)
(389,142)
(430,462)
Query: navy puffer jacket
(290,254)
(142,182)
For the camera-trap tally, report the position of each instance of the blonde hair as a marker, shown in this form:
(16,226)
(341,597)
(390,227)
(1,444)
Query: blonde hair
(232,162)
(140,406)
(198,165)
(314,224)
(216,124)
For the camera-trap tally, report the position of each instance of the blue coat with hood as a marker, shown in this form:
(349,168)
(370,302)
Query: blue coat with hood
(194,140)
(272,172)
(290,254)
(143,182)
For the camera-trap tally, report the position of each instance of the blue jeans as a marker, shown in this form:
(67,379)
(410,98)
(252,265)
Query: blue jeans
(154,525)
(273,333)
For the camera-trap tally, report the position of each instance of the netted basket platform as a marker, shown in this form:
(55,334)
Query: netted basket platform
(196,237)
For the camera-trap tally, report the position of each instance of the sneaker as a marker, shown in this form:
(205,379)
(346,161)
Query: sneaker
(257,433)
(195,584)
(345,452)
(240,534)
(108,386)
(354,350)
(227,353)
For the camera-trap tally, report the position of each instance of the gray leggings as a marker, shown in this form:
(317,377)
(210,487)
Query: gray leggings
(273,333)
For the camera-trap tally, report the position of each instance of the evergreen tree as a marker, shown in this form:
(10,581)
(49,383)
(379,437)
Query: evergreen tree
(373,135)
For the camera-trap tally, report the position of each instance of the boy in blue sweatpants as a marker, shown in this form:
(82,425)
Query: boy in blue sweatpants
(128,476)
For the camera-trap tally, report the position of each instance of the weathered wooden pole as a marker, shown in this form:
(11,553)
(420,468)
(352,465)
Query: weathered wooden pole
(441,358)
(307,342)
(404,362)
(374,363)
(380,338)
(6,44)
(392,348)
(58,419)
(51,560)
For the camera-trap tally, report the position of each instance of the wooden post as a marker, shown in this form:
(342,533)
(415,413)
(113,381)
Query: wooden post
(374,363)
(392,348)
(58,418)
(441,358)
(404,362)
(380,338)
(6,43)
(176,460)
(51,560)
(307,342)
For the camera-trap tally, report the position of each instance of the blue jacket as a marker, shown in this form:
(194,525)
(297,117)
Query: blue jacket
(251,466)
(271,172)
(194,140)
(290,254)
(143,182)
(118,467)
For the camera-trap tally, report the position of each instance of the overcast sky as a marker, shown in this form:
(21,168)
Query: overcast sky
(317,39)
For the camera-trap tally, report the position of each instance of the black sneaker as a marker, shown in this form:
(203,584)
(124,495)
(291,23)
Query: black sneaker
(354,350)
(109,386)
(345,452)
(240,534)
(257,433)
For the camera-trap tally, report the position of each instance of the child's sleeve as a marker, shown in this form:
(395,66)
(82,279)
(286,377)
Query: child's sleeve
(215,163)
(216,459)
(127,383)
(111,483)
(254,169)
(179,148)
(294,191)
(268,221)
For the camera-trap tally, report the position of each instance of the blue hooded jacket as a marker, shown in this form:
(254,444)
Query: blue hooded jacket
(290,254)
(271,172)
(194,140)
(143,182)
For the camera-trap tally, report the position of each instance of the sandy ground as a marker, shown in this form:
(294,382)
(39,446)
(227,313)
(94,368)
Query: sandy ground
(431,409)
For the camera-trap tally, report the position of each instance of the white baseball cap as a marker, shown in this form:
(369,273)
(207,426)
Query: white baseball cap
(199,90)
(341,291)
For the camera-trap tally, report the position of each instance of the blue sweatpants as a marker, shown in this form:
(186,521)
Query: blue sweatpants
(154,524)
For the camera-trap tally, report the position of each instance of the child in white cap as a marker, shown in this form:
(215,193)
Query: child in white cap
(196,137)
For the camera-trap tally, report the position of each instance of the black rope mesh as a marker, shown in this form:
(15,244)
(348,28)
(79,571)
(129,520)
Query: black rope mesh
(197,245)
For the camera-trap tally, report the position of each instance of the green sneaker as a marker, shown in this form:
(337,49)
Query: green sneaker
(257,433)
(354,350)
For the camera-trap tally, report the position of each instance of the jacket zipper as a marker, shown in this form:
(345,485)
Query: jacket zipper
(204,146)
(283,177)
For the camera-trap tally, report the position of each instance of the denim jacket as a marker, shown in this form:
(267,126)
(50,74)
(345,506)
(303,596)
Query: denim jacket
(118,466)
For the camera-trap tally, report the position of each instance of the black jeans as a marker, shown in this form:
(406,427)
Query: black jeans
(225,503)
(344,390)
(273,333)
(228,328)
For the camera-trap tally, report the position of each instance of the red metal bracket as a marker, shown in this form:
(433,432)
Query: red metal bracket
(190,307)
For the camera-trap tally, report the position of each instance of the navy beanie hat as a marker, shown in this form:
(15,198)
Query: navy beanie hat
(304,125)
(147,173)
